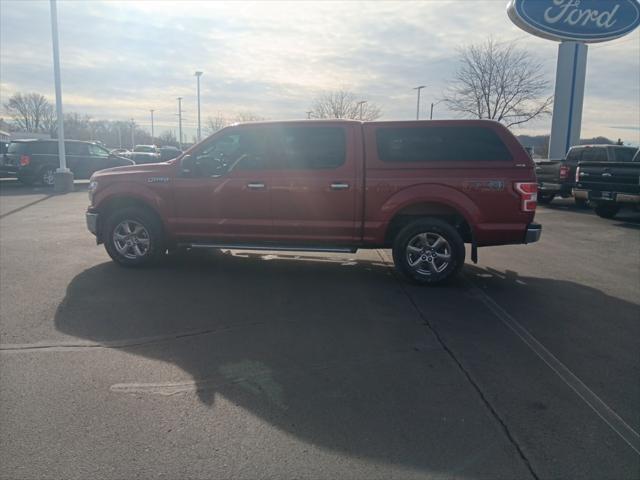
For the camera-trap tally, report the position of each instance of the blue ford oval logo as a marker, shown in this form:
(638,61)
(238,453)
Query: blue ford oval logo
(578,20)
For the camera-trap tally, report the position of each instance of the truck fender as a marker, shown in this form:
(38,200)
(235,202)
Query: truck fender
(431,193)
(133,191)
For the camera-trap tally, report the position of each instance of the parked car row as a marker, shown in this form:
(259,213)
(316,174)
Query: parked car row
(35,161)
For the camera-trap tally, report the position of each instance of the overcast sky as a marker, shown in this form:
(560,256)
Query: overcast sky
(120,59)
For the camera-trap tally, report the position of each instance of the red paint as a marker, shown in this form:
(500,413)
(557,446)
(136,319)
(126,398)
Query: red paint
(299,206)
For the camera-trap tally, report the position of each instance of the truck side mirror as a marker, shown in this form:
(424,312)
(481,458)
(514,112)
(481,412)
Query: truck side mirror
(187,165)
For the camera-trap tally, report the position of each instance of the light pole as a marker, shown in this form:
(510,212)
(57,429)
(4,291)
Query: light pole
(133,134)
(119,136)
(152,135)
(180,121)
(432,104)
(309,115)
(198,75)
(360,104)
(418,106)
(63,178)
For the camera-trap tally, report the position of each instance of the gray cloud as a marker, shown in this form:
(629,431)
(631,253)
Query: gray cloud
(121,58)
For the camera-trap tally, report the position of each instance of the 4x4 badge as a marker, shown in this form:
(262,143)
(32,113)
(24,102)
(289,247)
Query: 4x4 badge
(157,179)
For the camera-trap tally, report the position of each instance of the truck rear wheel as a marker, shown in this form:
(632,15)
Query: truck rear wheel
(428,252)
(133,237)
(607,211)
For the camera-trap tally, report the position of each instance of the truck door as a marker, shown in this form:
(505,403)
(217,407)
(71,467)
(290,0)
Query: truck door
(225,196)
(313,190)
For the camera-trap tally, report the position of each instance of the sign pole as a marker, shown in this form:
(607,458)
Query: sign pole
(63,178)
(566,122)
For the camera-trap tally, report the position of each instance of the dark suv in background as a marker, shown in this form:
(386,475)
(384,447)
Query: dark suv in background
(35,161)
(557,177)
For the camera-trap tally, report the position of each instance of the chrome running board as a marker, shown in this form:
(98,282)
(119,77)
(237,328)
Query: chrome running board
(279,248)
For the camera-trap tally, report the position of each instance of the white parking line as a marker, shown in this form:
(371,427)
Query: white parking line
(611,418)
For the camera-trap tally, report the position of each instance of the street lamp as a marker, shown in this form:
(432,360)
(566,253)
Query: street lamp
(152,135)
(63,178)
(180,121)
(360,104)
(133,134)
(418,106)
(198,75)
(432,104)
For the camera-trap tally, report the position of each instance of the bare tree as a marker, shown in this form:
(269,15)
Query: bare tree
(247,117)
(343,104)
(216,123)
(168,138)
(499,82)
(30,112)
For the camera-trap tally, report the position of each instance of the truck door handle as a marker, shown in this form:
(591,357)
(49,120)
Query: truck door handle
(339,186)
(255,186)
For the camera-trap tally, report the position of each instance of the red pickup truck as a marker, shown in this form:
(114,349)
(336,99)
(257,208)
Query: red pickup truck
(422,188)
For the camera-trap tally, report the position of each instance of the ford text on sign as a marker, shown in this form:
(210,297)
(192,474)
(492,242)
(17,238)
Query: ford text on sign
(578,20)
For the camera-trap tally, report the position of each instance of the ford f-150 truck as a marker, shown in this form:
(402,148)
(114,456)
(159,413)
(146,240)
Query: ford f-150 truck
(423,188)
(608,186)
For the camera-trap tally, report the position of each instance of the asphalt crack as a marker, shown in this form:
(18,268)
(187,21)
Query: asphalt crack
(465,372)
(23,207)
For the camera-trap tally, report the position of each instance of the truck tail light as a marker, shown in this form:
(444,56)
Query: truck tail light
(564,172)
(577,174)
(528,192)
(25,160)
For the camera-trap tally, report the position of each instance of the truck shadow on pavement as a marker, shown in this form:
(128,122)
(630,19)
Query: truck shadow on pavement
(326,348)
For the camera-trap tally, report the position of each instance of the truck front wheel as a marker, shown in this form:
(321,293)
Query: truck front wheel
(428,252)
(133,237)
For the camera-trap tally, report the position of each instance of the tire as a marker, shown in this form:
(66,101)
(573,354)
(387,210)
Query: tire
(46,176)
(28,181)
(607,211)
(546,199)
(423,262)
(580,203)
(131,249)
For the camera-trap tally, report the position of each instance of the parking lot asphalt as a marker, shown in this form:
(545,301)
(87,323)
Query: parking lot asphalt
(231,364)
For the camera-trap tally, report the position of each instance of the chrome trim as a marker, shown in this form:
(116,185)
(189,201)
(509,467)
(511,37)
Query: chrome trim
(549,186)
(255,186)
(581,194)
(339,186)
(92,222)
(280,248)
(627,198)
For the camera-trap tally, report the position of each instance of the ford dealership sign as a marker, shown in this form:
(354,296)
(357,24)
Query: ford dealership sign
(577,20)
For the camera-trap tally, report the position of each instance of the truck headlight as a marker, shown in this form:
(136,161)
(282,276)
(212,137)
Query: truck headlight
(93,186)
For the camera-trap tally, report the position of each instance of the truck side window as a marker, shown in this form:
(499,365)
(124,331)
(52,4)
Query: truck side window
(96,151)
(311,148)
(427,144)
(239,150)
(624,154)
(74,148)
